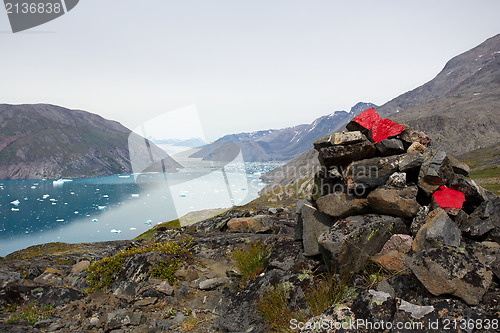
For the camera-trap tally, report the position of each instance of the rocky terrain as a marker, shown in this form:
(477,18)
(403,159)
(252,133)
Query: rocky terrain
(393,236)
(47,141)
(278,144)
(458,109)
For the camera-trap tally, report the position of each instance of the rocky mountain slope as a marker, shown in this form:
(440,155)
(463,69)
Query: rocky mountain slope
(458,108)
(417,246)
(279,144)
(48,141)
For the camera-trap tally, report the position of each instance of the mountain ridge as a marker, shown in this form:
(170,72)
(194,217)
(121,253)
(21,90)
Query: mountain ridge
(49,141)
(280,144)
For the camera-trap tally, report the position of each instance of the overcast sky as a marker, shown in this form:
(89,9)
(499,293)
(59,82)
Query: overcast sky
(245,65)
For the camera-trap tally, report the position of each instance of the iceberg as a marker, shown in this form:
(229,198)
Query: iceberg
(115,231)
(60,220)
(132,228)
(45,196)
(95,220)
(134,195)
(101,207)
(16,202)
(14,209)
(148,222)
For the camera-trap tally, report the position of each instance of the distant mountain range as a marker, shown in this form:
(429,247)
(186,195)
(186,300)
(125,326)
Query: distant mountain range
(458,109)
(192,142)
(48,141)
(279,144)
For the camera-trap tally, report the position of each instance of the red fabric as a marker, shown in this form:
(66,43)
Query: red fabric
(384,129)
(448,198)
(367,118)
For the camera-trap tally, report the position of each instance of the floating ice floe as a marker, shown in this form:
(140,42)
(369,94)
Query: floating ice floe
(134,195)
(115,231)
(182,195)
(16,202)
(148,222)
(60,220)
(125,176)
(33,187)
(75,212)
(101,207)
(61,181)
(14,209)
(95,220)
(45,196)
(26,199)
(72,193)
(105,196)
(132,228)
(52,199)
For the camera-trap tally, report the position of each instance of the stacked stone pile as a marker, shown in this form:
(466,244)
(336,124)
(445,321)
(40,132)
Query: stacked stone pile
(384,194)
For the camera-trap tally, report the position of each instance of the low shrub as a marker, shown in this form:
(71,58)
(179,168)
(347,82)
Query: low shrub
(101,274)
(251,260)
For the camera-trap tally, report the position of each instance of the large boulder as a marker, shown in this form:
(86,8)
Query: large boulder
(395,201)
(334,139)
(452,270)
(349,243)
(365,175)
(256,224)
(439,230)
(314,223)
(342,205)
(436,170)
(342,155)
(484,219)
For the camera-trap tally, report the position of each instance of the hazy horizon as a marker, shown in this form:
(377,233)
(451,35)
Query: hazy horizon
(242,66)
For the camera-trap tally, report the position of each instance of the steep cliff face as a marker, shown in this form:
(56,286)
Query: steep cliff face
(48,141)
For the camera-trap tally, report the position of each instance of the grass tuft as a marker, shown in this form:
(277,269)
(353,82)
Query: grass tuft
(32,313)
(252,260)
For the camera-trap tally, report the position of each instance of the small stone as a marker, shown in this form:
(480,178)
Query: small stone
(80,266)
(395,201)
(416,311)
(345,138)
(398,242)
(165,288)
(419,220)
(53,271)
(397,179)
(416,146)
(146,301)
(459,167)
(339,156)
(342,205)
(393,261)
(256,224)
(439,230)
(435,171)
(213,283)
(389,147)
(410,162)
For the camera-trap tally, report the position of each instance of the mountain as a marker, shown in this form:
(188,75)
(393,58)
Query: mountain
(192,142)
(279,144)
(49,141)
(458,109)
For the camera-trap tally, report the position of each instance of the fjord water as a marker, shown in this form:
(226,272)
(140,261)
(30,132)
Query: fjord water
(116,207)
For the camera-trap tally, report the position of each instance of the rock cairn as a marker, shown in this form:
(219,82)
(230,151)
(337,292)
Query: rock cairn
(384,194)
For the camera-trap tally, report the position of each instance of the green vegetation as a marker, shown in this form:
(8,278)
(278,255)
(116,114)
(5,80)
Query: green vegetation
(252,260)
(101,274)
(174,224)
(45,249)
(485,167)
(273,307)
(32,313)
(276,309)
(326,292)
(374,273)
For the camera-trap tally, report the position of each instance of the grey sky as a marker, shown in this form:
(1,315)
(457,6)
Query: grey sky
(246,65)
